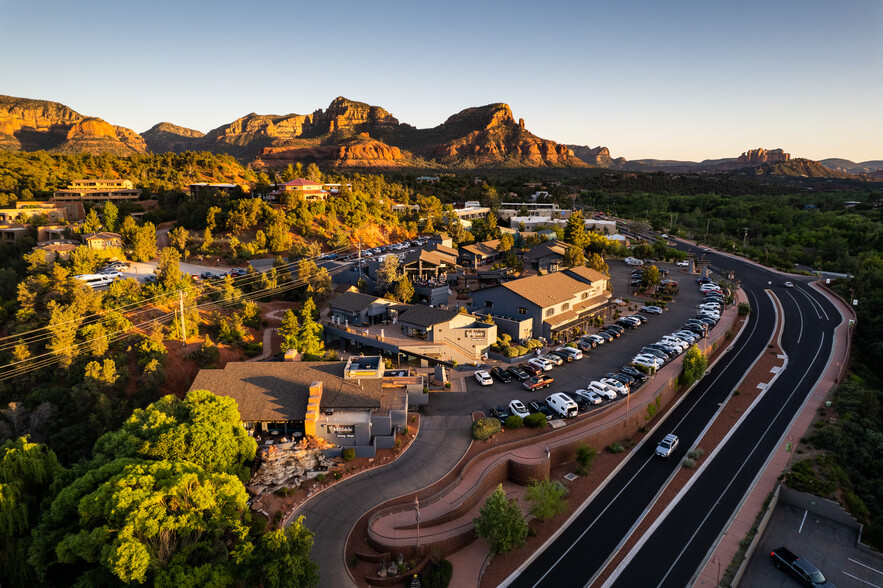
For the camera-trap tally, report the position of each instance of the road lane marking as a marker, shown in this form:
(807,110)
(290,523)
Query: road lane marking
(855,561)
(800,312)
(744,462)
(862,581)
(800,530)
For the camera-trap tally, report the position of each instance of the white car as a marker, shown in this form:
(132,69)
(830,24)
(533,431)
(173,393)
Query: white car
(710,306)
(684,263)
(688,336)
(601,390)
(789,284)
(647,361)
(517,408)
(540,363)
(651,309)
(596,339)
(678,344)
(553,359)
(617,385)
(589,396)
(574,353)
(710,314)
(709,286)
(667,446)
(484,378)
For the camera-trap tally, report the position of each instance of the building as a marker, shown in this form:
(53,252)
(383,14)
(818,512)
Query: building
(24,211)
(309,191)
(103,240)
(471,211)
(546,209)
(354,308)
(557,304)
(605,227)
(350,404)
(546,256)
(479,254)
(57,249)
(214,189)
(98,192)
(427,179)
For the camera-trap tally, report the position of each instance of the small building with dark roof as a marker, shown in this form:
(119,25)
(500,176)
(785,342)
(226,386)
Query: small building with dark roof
(355,308)
(103,240)
(349,404)
(479,253)
(546,256)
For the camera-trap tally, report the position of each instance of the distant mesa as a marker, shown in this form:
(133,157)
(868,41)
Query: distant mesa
(165,137)
(758,156)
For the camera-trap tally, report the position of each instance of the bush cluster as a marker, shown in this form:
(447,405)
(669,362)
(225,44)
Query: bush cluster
(485,428)
(536,420)
(514,422)
(440,575)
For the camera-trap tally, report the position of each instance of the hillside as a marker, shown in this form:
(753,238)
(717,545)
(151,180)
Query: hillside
(32,125)
(166,137)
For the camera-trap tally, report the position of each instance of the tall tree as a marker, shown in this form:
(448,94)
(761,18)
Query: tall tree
(178,238)
(144,243)
(574,257)
(507,241)
(403,290)
(575,230)
(596,262)
(111,216)
(168,269)
(289,330)
(501,523)
(310,337)
(92,224)
(386,276)
(283,559)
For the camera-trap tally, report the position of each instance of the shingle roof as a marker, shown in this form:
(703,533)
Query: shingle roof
(353,302)
(483,249)
(102,235)
(552,247)
(302,182)
(554,288)
(271,391)
(426,316)
(434,257)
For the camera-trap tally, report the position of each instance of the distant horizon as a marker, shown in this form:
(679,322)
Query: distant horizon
(686,81)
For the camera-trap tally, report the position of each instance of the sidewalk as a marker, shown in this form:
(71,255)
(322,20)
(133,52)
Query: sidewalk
(743,521)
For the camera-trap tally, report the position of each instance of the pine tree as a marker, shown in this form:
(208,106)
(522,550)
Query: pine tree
(310,337)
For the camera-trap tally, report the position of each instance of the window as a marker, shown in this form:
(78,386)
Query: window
(550,312)
(522,310)
(565,306)
(585,295)
(488,304)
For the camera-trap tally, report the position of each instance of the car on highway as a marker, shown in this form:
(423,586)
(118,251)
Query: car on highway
(483,378)
(651,309)
(501,374)
(667,446)
(500,413)
(706,251)
(518,373)
(540,406)
(517,408)
(589,396)
(789,284)
(541,363)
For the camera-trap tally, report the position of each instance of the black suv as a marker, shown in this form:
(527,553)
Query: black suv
(501,374)
(518,373)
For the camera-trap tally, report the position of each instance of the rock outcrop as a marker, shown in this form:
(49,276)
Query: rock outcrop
(758,156)
(30,125)
(289,464)
(597,156)
(164,137)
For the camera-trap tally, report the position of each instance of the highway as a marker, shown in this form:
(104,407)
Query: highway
(672,554)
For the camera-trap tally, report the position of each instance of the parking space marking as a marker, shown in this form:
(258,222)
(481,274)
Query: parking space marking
(862,581)
(855,561)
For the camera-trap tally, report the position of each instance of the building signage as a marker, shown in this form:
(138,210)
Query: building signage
(362,373)
(342,430)
(475,333)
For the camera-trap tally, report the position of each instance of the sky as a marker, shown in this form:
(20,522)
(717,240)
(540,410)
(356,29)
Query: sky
(681,79)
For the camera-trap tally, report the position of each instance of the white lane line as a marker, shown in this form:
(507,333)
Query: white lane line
(800,312)
(739,471)
(816,304)
(862,581)
(855,561)
(800,530)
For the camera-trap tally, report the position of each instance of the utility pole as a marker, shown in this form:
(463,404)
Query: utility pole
(707,224)
(359,257)
(183,329)
(744,237)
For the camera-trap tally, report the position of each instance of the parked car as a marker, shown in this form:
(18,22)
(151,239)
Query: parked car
(571,351)
(627,322)
(589,396)
(805,572)
(517,408)
(586,344)
(623,389)
(483,378)
(553,359)
(535,406)
(606,336)
(655,352)
(685,263)
(638,375)
(501,413)
(501,374)
(531,369)
(651,309)
(238,272)
(667,446)
(562,404)
(596,339)
(542,363)
(647,361)
(537,382)
(616,329)
(601,390)
(206,275)
(638,317)
(518,373)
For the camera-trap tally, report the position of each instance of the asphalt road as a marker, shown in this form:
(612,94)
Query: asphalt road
(672,554)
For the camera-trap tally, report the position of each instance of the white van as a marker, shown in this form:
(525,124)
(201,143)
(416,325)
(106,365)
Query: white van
(562,404)
(633,261)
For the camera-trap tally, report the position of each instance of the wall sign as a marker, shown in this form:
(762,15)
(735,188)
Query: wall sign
(342,430)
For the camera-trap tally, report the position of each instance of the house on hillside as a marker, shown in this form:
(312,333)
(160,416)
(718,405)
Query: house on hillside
(98,192)
(103,240)
(214,189)
(546,256)
(308,190)
(557,304)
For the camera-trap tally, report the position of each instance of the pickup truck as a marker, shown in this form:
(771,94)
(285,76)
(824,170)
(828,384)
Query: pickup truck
(538,381)
(805,572)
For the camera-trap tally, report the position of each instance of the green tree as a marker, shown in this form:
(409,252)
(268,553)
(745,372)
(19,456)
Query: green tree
(313,173)
(283,558)
(83,260)
(289,330)
(168,268)
(596,262)
(207,240)
(144,243)
(575,230)
(92,224)
(695,364)
(111,215)
(178,238)
(548,498)
(573,257)
(501,523)
(403,290)
(96,335)
(63,324)
(651,277)
(310,337)
(211,218)
(386,276)
(27,473)
(506,243)
(492,231)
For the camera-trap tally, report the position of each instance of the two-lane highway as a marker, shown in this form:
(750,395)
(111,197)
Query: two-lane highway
(585,547)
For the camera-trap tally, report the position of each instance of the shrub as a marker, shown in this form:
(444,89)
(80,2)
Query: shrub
(696,453)
(253,349)
(337,475)
(320,478)
(616,448)
(536,420)
(349,454)
(514,422)
(689,463)
(585,457)
(485,428)
(440,575)
(744,308)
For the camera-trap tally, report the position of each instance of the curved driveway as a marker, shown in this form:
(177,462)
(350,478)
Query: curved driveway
(671,555)
(439,445)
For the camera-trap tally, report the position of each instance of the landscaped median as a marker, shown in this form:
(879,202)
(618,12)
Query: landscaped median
(448,507)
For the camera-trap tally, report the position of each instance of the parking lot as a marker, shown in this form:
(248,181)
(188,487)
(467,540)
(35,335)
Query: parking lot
(594,365)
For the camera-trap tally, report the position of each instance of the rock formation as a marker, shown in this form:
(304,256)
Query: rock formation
(164,137)
(758,156)
(30,125)
(289,464)
(597,156)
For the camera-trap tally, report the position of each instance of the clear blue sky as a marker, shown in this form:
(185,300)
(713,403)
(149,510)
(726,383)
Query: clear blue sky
(648,79)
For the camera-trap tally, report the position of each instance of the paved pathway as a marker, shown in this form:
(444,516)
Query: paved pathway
(439,445)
